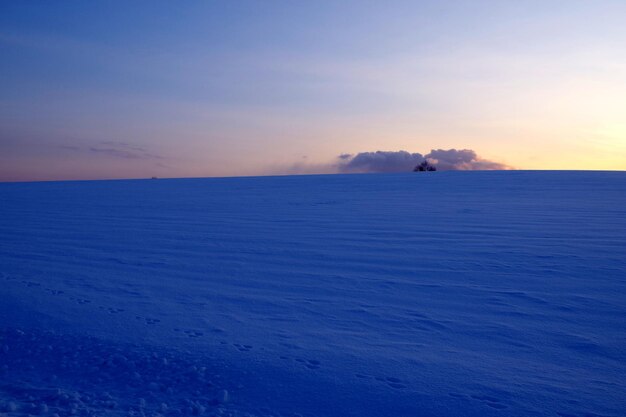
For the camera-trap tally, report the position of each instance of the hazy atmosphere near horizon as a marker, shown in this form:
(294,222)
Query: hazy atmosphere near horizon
(95,90)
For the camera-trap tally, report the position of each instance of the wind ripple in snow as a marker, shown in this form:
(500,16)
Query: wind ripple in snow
(473,293)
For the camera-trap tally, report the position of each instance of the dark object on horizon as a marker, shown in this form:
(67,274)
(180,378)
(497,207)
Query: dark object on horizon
(153,178)
(425,166)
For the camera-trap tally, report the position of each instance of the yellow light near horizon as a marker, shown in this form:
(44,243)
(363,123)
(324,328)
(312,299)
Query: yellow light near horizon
(609,143)
(613,136)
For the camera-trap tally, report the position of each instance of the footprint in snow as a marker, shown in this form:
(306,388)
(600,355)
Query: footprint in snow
(393,382)
(309,363)
(190,333)
(148,320)
(242,348)
(490,401)
(80,300)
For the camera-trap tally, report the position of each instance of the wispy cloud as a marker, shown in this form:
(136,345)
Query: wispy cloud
(123,150)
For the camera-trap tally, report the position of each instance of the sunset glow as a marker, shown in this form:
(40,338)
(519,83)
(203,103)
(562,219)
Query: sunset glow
(219,89)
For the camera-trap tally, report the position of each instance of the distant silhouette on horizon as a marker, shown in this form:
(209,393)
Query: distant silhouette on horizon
(425,166)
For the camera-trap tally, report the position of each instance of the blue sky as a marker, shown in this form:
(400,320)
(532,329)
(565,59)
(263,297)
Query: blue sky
(136,89)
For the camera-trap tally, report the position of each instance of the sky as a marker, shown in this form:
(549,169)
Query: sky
(93,90)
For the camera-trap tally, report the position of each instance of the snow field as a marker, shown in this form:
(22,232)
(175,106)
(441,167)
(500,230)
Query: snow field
(438,294)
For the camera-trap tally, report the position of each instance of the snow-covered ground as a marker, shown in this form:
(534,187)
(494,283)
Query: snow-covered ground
(426,294)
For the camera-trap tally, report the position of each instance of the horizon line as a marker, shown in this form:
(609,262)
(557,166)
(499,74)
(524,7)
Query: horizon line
(304,175)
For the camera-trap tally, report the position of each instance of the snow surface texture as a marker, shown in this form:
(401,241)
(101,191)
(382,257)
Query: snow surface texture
(436,294)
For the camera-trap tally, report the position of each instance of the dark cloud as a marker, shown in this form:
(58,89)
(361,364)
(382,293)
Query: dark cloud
(118,153)
(123,150)
(115,149)
(461,160)
(379,161)
(403,161)
(123,145)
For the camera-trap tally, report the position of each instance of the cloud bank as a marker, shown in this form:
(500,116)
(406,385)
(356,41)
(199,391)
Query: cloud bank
(396,161)
(379,161)
(403,161)
(461,160)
